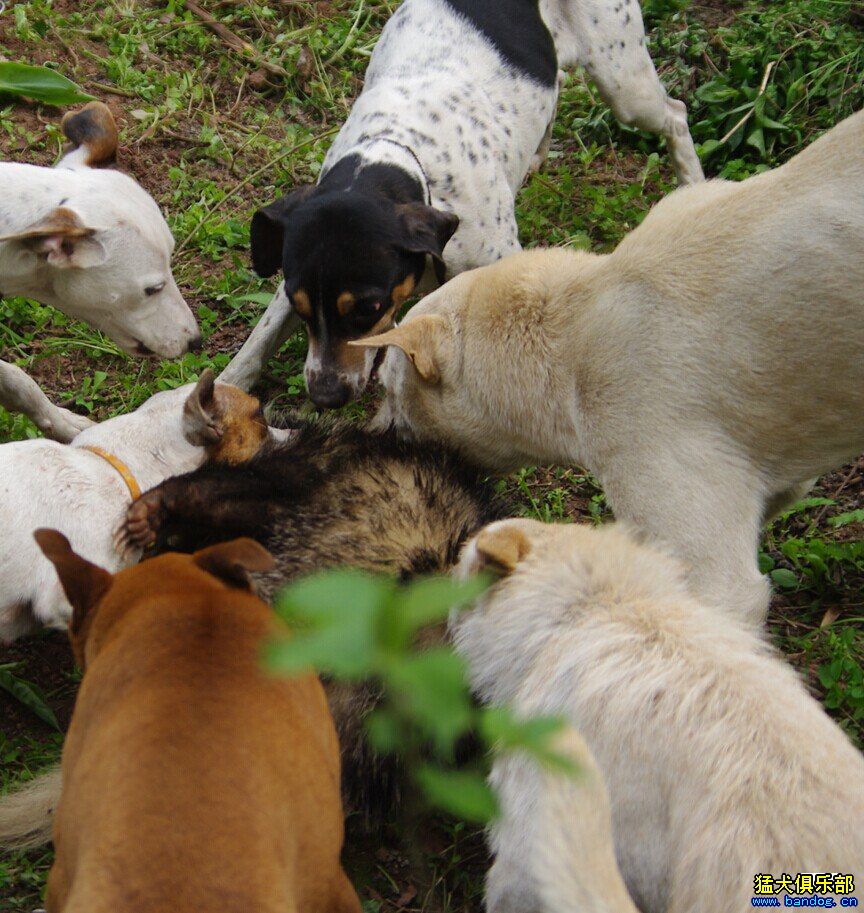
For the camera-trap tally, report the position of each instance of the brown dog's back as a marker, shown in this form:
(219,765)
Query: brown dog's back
(192,781)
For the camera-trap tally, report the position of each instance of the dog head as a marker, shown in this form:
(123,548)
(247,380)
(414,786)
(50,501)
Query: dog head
(548,578)
(99,598)
(350,260)
(103,254)
(481,363)
(186,425)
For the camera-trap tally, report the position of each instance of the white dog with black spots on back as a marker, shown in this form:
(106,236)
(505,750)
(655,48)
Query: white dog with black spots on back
(718,763)
(92,243)
(457,107)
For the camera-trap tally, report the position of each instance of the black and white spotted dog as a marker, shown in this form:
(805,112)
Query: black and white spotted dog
(457,107)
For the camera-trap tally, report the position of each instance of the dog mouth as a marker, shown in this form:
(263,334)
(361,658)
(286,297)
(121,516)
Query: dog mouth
(141,349)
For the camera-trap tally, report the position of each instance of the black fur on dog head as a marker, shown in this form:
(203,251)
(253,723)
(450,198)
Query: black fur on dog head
(352,249)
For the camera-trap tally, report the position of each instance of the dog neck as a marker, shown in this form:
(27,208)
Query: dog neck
(382,167)
(149,442)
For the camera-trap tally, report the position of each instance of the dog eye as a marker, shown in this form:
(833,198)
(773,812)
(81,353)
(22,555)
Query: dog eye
(154,289)
(366,307)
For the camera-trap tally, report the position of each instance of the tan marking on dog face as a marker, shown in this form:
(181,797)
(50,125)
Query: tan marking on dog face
(403,291)
(244,429)
(384,322)
(302,304)
(349,360)
(345,303)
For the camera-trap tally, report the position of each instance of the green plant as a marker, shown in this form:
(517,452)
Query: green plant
(843,676)
(27,693)
(40,84)
(353,626)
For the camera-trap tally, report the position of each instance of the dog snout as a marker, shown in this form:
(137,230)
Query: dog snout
(328,390)
(196,343)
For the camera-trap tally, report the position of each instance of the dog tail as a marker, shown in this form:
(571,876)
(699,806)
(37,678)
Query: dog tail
(27,813)
(574,858)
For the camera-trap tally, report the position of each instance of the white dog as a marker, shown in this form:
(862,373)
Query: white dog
(92,243)
(719,765)
(84,488)
(703,371)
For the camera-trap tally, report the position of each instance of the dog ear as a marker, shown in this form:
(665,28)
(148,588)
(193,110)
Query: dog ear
(63,239)
(232,561)
(427,230)
(83,583)
(419,338)
(267,232)
(92,131)
(500,548)
(202,417)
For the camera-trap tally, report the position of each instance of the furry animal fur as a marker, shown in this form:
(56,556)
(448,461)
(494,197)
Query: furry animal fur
(192,780)
(704,370)
(44,483)
(91,242)
(718,763)
(332,495)
(574,864)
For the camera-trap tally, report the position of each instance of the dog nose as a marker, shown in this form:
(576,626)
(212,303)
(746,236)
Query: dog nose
(196,344)
(328,391)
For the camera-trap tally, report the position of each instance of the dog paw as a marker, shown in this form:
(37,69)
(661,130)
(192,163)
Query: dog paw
(142,521)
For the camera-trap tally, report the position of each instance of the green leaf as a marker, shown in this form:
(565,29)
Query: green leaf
(785,578)
(756,139)
(40,84)
(463,794)
(433,687)
(425,602)
(333,614)
(384,732)
(500,727)
(853,516)
(29,695)
(714,93)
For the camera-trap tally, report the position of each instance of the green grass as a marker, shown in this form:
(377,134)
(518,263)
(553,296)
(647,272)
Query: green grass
(212,136)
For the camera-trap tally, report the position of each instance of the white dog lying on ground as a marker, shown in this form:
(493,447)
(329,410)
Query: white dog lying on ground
(92,243)
(85,488)
(719,765)
(703,371)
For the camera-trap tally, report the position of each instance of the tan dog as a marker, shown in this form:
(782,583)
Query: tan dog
(192,781)
(703,371)
(718,763)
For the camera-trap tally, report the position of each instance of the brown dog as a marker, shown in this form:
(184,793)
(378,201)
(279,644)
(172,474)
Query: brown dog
(192,781)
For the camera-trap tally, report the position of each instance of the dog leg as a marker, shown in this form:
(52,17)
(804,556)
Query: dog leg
(542,152)
(20,393)
(510,883)
(278,323)
(783,500)
(212,506)
(711,516)
(616,58)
